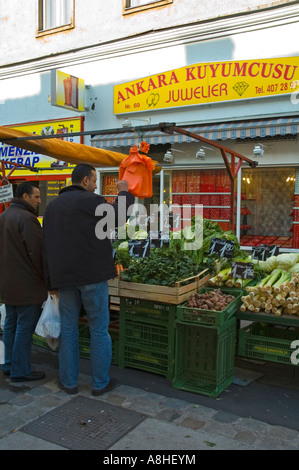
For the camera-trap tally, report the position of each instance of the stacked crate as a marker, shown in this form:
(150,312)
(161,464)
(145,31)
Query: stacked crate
(205,347)
(204,359)
(147,336)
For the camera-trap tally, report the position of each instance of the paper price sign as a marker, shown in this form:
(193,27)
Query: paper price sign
(262,252)
(242,270)
(6,193)
(224,248)
(139,248)
(273,250)
(158,239)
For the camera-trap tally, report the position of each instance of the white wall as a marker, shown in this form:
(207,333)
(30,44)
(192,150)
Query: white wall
(25,97)
(97,22)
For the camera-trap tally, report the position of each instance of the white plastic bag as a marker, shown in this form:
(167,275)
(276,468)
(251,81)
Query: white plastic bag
(2,353)
(48,325)
(2,315)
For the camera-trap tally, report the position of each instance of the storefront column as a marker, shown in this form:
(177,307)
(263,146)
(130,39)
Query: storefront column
(238,205)
(161,199)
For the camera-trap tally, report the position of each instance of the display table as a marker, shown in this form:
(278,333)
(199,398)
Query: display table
(289,320)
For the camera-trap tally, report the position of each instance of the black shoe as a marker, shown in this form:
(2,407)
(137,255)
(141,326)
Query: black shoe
(108,387)
(70,391)
(6,372)
(26,378)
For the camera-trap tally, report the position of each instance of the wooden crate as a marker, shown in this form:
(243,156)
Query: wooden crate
(113,285)
(177,294)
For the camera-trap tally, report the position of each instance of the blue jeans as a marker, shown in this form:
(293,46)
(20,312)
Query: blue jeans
(95,299)
(19,326)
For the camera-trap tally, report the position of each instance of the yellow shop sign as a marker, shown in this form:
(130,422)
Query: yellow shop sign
(47,165)
(208,83)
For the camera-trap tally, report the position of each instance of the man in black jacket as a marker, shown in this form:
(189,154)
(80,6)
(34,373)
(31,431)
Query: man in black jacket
(22,285)
(78,260)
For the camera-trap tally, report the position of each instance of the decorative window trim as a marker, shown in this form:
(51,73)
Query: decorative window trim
(152,4)
(43,32)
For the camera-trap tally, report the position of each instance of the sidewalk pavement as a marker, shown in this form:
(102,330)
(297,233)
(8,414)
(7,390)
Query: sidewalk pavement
(159,422)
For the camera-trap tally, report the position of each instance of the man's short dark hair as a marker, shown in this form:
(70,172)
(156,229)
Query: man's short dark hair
(24,188)
(80,171)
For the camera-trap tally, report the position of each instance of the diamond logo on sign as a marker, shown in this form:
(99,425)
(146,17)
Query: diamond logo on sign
(6,193)
(240,87)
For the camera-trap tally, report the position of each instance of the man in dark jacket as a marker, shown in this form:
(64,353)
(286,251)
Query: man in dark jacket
(22,286)
(78,263)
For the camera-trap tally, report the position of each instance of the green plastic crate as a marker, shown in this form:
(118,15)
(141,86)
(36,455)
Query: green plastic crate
(148,359)
(158,337)
(210,317)
(267,342)
(204,357)
(40,341)
(147,310)
(84,342)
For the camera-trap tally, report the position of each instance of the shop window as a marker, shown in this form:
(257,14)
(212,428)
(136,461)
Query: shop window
(268,198)
(49,190)
(130,6)
(55,15)
(210,188)
(109,187)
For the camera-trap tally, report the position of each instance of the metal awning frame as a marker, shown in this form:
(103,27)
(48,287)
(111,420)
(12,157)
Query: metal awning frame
(232,166)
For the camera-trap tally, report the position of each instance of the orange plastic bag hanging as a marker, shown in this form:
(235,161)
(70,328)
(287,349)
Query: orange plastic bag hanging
(137,169)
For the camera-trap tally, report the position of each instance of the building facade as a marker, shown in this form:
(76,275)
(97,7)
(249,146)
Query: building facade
(226,71)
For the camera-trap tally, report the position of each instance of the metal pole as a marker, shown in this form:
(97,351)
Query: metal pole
(238,215)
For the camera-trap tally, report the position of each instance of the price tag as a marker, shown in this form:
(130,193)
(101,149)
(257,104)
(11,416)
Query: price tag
(224,248)
(259,252)
(262,252)
(273,250)
(6,193)
(158,239)
(242,270)
(139,248)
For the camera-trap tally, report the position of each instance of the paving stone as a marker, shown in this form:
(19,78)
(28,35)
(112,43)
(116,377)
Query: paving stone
(283,433)
(21,400)
(6,395)
(39,391)
(193,423)
(247,437)
(115,399)
(168,415)
(224,417)
(176,403)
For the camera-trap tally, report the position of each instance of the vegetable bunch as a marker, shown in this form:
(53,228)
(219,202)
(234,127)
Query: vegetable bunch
(224,278)
(277,293)
(214,299)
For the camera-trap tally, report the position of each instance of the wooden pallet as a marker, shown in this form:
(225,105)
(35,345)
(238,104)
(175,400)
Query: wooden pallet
(177,294)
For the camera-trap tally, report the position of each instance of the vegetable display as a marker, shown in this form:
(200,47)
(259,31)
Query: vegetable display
(278,291)
(169,264)
(211,300)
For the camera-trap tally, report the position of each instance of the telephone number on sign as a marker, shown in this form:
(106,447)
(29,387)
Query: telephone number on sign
(277,87)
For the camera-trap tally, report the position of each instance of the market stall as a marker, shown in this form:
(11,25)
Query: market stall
(161,328)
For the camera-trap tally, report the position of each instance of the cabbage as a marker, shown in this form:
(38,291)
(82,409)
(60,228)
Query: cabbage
(295,268)
(123,246)
(287,260)
(270,264)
